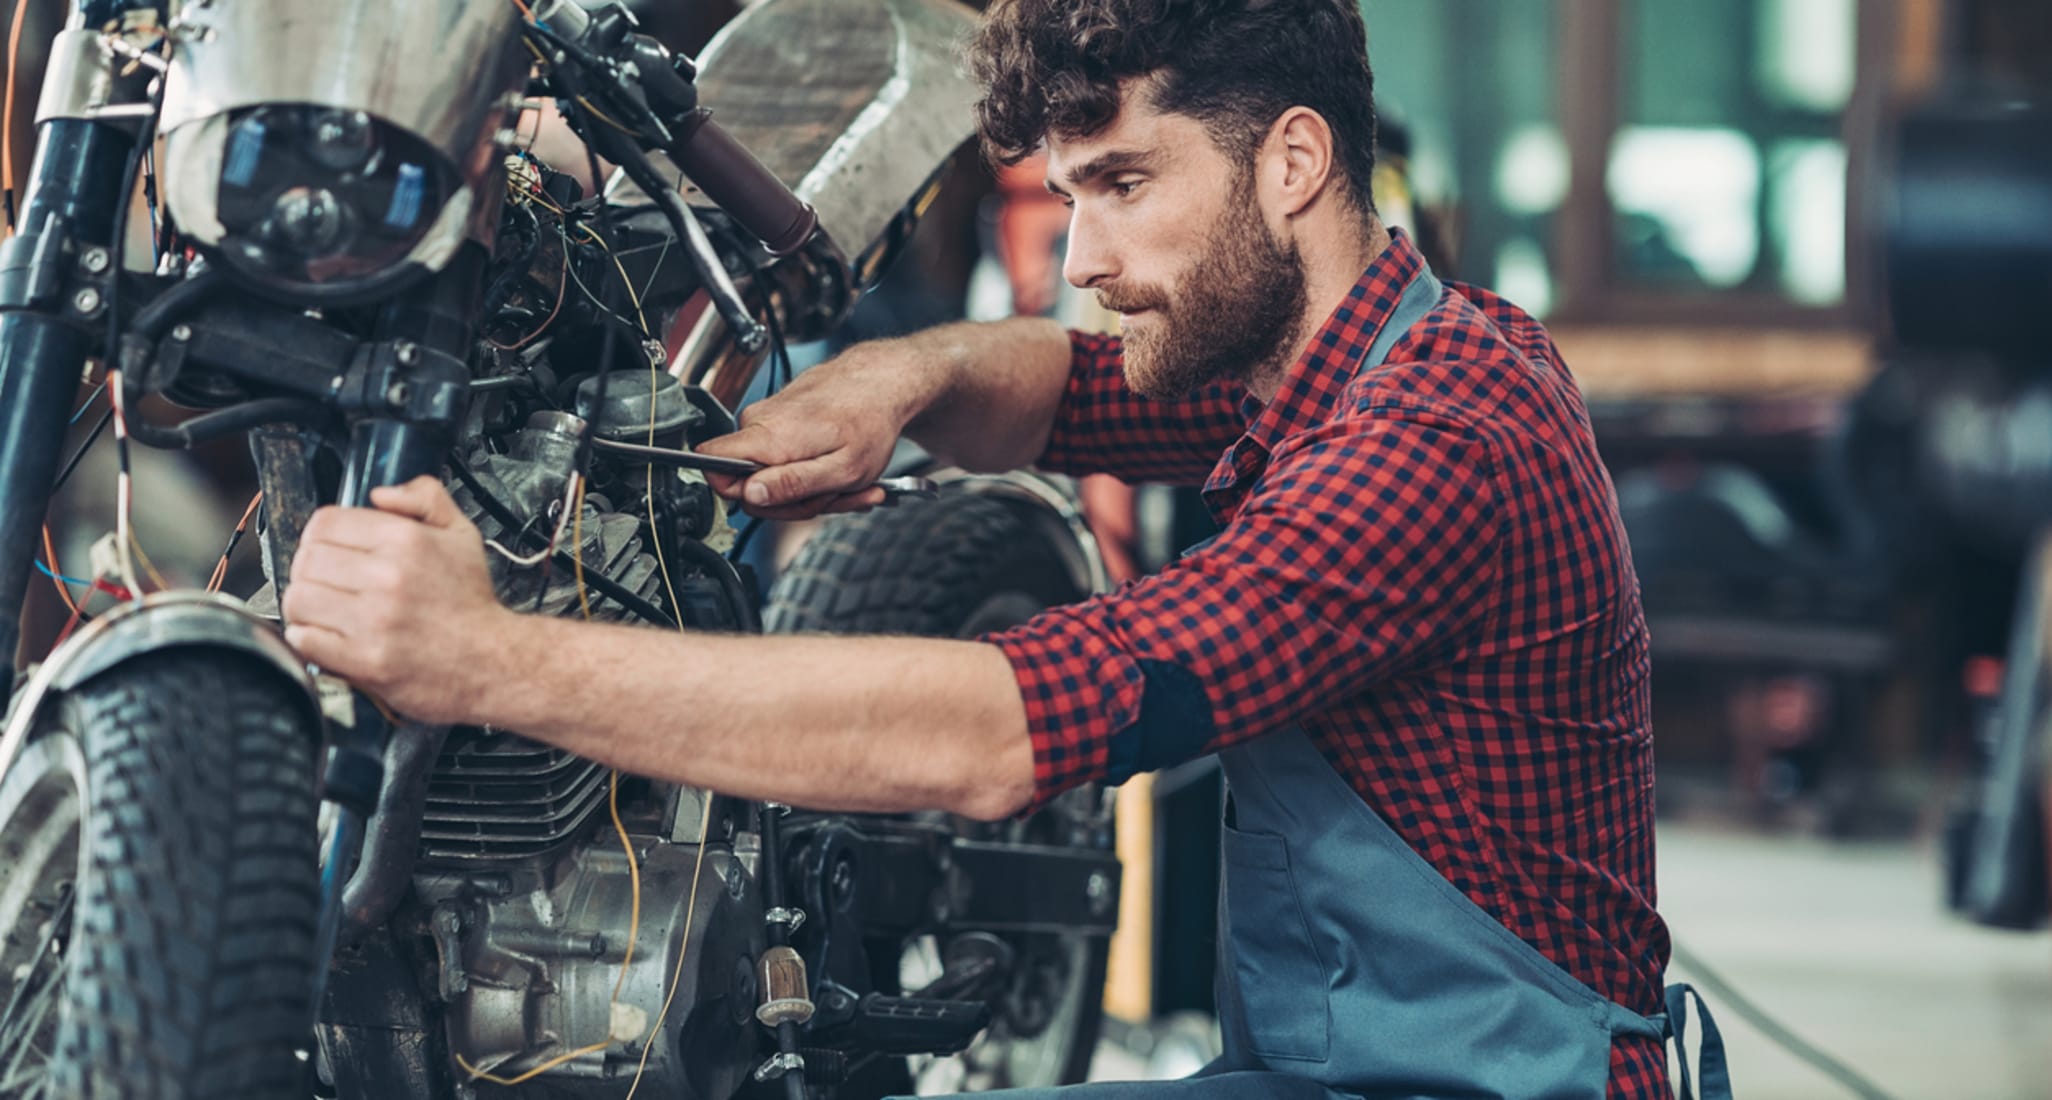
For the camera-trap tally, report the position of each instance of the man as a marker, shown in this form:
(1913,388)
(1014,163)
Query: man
(1417,644)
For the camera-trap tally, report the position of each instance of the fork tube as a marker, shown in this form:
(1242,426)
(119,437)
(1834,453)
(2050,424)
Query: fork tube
(72,195)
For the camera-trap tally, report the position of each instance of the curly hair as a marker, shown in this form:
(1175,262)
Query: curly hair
(1056,66)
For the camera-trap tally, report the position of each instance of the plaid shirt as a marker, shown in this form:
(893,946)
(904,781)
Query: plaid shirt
(1422,565)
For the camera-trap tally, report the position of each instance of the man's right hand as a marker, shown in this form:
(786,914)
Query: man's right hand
(979,396)
(824,441)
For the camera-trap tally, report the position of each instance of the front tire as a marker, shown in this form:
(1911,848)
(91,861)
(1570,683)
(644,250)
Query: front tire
(159,886)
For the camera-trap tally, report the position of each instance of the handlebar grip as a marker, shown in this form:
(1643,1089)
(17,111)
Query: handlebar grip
(731,176)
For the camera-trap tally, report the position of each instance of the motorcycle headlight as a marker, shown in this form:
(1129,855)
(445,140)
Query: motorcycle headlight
(330,175)
(326,202)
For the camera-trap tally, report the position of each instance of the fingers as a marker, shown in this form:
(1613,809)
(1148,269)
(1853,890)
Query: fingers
(424,499)
(359,529)
(318,645)
(340,567)
(826,503)
(828,475)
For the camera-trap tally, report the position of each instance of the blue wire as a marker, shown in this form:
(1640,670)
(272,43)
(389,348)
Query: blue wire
(88,402)
(45,570)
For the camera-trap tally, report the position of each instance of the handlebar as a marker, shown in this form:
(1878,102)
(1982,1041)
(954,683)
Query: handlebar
(731,176)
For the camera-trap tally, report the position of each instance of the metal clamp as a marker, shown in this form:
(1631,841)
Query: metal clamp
(780,1064)
(791,919)
(83,81)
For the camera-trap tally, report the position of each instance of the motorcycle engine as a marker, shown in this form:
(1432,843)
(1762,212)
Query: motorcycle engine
(529,893)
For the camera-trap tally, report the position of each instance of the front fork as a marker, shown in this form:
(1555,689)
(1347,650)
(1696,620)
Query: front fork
(72,197)
(421,385)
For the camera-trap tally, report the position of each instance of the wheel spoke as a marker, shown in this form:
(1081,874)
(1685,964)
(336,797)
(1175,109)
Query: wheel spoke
(29,1006)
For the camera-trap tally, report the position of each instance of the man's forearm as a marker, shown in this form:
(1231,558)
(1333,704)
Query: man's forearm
(992,390)
(873,724)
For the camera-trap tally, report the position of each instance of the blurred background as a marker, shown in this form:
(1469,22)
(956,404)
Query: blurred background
(1785,360)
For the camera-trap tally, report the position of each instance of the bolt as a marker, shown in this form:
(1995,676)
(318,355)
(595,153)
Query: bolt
(95,260)
(397,394)
(407,354)
(181,333)
(1098,889)
(86,301)
(843,882)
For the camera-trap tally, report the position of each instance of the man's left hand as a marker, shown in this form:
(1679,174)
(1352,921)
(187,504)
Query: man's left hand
(397,599)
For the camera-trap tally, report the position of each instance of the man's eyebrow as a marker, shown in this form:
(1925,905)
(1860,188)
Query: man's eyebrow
(1118,160)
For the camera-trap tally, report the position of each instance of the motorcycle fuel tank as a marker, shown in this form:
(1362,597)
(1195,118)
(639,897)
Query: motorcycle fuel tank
(854,104)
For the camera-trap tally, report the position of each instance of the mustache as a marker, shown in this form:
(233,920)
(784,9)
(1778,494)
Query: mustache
(1120,299)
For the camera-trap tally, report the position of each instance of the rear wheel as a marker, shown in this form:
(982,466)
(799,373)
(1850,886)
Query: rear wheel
(159,887)
(959,567)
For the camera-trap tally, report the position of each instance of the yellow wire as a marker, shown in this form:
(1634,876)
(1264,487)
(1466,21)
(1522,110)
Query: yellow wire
(639,314)
(155,577)
(626,960)
(677,977)
(577,550)
(634,912)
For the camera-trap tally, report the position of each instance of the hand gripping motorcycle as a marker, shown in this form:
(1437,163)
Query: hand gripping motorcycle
(225,875)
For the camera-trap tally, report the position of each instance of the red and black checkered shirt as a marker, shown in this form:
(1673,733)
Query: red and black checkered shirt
(1422,565)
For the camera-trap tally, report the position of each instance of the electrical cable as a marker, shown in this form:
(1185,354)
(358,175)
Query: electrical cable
(64,583)
(87,403)
(128,548)
(626,959)
(1775,1030)
(123,488)
(607,587)
(577,550)
(77,456)
(7,116)
(677,975)
(220,574)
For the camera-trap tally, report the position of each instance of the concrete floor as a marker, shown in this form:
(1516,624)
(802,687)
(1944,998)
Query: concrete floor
(1848,945)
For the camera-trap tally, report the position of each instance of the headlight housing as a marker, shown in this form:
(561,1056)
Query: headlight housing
(329,153)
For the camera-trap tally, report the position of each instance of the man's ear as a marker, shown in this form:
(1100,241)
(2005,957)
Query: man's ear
(1297,160)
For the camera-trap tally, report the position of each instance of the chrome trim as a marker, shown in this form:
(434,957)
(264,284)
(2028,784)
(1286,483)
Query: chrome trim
(447,71)
(1051,492)
(164,620)
(80,82)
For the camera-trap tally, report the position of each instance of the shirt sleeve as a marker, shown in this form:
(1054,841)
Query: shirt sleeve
(1103,427)
(1368,551)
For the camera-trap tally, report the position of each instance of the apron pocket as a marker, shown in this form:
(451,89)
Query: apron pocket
(1284,985)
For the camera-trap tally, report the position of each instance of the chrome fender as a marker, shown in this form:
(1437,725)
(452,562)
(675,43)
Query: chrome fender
(164,620)
(1050,503)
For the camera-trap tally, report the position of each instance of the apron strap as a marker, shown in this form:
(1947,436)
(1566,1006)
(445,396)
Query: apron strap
(1716,1073)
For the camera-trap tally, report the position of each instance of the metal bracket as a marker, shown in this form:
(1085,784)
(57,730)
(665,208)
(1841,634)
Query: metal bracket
(780,1064)
(792,919)
(84,82)
(164,620)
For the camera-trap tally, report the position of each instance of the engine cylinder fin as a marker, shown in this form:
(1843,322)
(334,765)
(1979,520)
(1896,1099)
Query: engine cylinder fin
(497,797)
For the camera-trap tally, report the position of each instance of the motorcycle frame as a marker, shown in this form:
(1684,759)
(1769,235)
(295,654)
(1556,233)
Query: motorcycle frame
(394,402)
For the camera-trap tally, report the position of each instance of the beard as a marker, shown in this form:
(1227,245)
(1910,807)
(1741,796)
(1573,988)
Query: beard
(1235,316)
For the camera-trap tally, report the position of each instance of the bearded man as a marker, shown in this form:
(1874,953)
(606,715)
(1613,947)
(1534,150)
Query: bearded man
(1417,645)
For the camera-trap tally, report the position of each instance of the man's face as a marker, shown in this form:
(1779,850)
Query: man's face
(1168,229)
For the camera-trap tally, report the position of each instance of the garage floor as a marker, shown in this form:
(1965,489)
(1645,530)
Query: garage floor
(1848,945)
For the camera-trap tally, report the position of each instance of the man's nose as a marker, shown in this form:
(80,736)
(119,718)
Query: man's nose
(1088,261)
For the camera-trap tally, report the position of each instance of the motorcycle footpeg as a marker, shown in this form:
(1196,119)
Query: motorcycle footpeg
(907,1025)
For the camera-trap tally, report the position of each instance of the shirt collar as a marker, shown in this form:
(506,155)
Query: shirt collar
(1311,390)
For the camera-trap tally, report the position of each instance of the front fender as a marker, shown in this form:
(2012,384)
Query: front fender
(1049,502)
(164,620)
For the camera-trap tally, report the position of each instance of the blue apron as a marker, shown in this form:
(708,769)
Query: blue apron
(1350,967)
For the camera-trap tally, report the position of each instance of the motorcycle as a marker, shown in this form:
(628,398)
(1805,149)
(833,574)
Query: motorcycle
(226,874)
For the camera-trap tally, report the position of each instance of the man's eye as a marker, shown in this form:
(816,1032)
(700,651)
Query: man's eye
(1125,188)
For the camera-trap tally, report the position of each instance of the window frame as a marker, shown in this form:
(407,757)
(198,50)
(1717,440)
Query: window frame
(1591,93)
